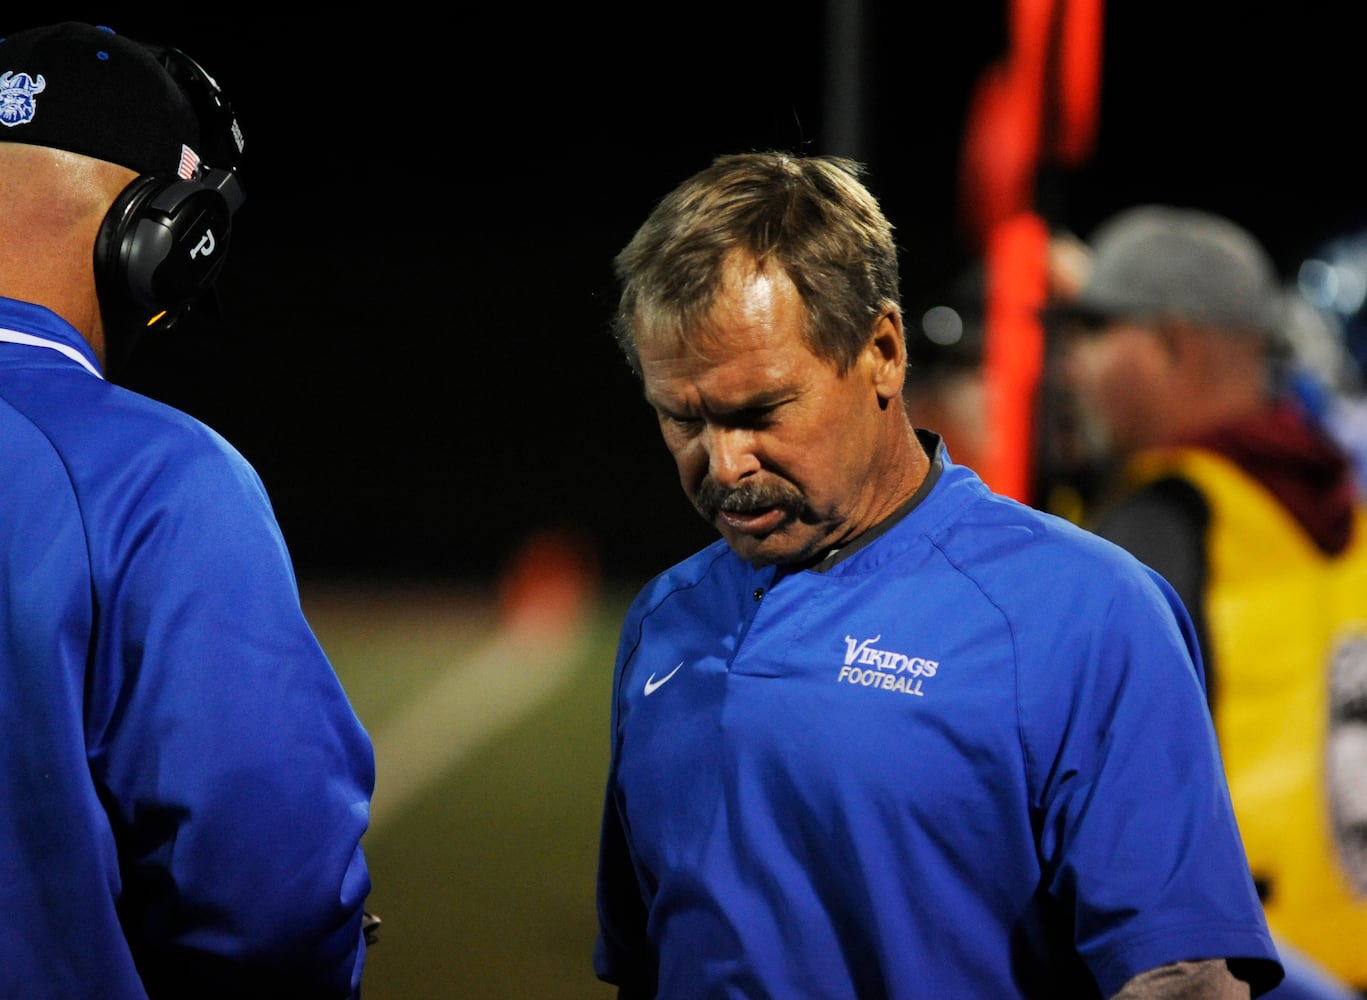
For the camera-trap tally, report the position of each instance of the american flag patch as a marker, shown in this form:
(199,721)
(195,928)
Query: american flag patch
(189,164)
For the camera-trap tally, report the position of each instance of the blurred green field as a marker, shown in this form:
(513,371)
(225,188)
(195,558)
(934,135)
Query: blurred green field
(483,865)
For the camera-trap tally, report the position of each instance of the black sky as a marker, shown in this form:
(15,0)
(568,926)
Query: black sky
(413,350)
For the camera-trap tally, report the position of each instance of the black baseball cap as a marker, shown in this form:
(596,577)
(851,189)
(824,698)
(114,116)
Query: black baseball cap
(86,89)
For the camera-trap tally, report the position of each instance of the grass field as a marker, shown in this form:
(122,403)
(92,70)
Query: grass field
(491,731)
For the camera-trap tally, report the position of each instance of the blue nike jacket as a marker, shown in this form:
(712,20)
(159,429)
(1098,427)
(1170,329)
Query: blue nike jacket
(183,782)
(968,756)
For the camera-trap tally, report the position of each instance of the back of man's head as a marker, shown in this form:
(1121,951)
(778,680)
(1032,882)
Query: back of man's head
(74,88)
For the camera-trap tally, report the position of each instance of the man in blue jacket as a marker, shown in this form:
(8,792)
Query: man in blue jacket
(892,735)
(183,782)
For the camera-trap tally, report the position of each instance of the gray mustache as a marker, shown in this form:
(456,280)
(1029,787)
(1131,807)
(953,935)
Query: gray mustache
(712,499)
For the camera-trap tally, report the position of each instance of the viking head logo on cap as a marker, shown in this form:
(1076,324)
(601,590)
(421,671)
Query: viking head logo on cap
(17,93)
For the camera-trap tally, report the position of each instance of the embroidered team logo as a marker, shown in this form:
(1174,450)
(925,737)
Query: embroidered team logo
(868,666)
(17,97)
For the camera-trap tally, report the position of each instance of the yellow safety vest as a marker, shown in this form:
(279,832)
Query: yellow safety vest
(1282,617)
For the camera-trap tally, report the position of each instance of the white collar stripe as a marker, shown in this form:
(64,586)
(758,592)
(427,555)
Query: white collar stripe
(15,337)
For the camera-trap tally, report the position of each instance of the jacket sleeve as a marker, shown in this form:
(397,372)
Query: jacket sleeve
(235,773)
(622,954)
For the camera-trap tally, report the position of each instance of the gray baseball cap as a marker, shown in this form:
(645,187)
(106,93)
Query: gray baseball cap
(1161,262)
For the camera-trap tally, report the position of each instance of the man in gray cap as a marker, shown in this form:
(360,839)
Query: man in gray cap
(1174,351)
(183,782)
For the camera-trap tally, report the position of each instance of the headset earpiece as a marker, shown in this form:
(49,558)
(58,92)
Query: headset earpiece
(163,242)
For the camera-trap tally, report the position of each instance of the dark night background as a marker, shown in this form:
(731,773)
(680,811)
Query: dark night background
(413,350)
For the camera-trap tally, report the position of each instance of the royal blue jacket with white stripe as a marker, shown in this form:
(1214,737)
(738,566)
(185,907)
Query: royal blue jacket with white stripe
(183,782)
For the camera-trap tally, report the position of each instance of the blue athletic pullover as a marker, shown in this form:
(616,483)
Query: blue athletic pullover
(183,783)
(970,758)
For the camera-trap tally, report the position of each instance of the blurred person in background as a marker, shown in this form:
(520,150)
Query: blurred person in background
(945,389)
(892,734)
(946,383)
(184,784)
(1328,332)
(1177,354)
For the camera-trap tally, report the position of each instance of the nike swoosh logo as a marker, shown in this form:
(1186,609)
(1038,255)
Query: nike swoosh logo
(652,685)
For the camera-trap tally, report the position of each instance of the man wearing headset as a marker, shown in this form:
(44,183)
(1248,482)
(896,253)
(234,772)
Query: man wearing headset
(183,782)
